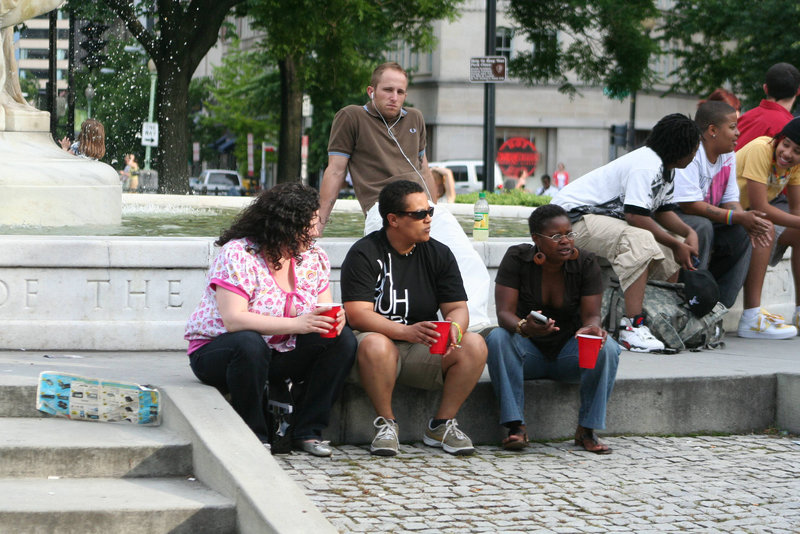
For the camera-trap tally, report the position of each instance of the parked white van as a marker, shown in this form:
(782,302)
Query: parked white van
(468,174)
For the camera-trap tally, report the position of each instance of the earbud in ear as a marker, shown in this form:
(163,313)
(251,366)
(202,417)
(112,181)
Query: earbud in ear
(372,95)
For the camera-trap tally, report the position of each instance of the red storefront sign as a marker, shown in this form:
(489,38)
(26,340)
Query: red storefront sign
(517,154)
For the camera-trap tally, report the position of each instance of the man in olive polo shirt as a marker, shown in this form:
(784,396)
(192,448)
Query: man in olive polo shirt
(382,142)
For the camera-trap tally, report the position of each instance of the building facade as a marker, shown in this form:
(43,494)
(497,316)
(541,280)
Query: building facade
(33,50)
(575,131)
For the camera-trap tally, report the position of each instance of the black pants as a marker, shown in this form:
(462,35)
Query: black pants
(241,363)
(725,251)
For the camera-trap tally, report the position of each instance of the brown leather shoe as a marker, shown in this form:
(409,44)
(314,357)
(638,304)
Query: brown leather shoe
(586,438)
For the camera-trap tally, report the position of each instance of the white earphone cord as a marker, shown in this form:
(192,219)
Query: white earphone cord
(396,142)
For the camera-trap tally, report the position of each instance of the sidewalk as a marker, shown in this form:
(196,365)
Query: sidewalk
(745,483)
(732,483)
(699,484)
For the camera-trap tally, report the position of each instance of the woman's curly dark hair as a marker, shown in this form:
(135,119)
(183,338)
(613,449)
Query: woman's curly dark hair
(543,215)
(673,138)
(278,221)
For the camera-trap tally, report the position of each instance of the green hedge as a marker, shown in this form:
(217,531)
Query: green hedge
(506,198)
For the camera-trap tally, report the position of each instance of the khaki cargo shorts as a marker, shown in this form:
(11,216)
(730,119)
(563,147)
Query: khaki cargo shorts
(416,366)
(629,249)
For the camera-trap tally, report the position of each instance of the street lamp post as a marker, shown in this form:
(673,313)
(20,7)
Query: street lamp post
(151,66)
(89,96)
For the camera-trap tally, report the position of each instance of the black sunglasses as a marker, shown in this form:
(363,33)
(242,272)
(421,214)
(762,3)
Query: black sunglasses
(419,214)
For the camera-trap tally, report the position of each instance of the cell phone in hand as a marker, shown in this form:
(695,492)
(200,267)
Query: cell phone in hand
(539,317)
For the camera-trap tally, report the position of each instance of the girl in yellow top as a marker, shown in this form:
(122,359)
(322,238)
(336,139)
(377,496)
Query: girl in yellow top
(763,168)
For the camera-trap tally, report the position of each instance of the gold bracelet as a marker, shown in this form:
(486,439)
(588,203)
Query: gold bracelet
(519,328)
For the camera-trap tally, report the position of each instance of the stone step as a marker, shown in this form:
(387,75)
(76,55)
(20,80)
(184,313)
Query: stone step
(640,405)
(18,401)
(50,446)
(100,505)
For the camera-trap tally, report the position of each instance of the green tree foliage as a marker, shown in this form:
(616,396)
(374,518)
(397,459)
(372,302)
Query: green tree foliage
(243,99)
(328,50)
(731,43)
(203,129)
(120,101)
(599,42)
(181,35)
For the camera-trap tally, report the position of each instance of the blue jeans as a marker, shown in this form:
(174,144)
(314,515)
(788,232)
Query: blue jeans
(514,359)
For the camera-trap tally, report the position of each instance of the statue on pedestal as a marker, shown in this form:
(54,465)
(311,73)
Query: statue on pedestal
(41,184)
(15,113)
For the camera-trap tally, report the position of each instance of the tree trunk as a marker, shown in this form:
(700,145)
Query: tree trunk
(173,132)
(185,32)
(291,120)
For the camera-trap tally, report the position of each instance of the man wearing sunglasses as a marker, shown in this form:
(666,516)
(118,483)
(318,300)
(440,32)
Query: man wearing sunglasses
(394,282)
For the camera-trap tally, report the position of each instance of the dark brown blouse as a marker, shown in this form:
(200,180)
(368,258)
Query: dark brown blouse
(581,278)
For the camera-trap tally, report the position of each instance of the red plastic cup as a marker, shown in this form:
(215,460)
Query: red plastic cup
(331,310)
(588,348)
(440,347)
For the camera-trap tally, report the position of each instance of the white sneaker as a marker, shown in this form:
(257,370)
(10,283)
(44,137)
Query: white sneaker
(774,318)
(637,338)
(766,325)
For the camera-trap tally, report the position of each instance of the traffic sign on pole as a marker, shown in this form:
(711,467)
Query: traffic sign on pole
(489,69)
(149,134)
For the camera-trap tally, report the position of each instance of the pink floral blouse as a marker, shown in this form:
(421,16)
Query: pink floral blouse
(238,268)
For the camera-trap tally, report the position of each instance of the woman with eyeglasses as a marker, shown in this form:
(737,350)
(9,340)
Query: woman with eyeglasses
(555,279)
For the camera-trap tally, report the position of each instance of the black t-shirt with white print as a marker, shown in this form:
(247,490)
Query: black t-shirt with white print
(404,288)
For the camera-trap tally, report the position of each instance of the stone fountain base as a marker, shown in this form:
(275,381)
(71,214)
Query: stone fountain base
(136,293)
(43,185)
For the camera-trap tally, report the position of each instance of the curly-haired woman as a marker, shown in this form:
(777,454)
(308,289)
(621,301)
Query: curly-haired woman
(258,319)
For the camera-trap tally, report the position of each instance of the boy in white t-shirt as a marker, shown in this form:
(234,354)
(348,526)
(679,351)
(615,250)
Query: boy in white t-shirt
(623,211)
(708,196)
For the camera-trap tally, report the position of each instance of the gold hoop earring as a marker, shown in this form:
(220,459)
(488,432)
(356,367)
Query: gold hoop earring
(575,254)
(539,258)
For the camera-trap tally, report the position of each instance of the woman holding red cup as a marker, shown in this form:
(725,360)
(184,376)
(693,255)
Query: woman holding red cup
(547,294)
(260,318)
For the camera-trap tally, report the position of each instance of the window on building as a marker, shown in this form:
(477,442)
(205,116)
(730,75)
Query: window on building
(544,42)
(420,64)
(34,53)
(43,33)
(664,64)
(503,37)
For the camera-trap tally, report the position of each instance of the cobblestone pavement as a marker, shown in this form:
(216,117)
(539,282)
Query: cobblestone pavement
(745,483)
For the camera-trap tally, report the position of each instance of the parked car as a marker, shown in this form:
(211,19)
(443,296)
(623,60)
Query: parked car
(468,174)
(218,182)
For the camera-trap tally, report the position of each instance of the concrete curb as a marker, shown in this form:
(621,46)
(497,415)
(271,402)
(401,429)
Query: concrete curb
(229,459)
